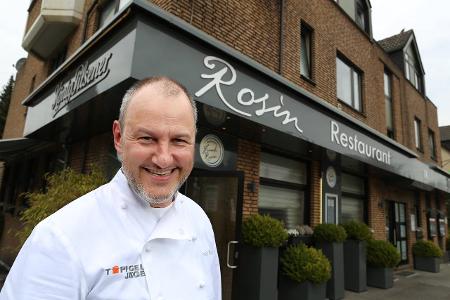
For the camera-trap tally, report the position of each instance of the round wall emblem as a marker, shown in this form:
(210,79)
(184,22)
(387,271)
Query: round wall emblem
(211,150)
(331,177)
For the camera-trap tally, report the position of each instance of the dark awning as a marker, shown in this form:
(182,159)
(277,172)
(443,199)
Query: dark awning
(12,148)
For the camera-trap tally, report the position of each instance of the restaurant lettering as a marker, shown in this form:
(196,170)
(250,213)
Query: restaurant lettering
(246,97)
(355,143)
(86,75)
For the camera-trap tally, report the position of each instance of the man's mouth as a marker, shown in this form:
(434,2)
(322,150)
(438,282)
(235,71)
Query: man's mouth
(160,173)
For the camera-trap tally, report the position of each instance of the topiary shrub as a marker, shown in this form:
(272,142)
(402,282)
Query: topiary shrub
(424,248)
(357,230)
(263,231)
(301,263)
(329,233)
(62,188)
(382,254)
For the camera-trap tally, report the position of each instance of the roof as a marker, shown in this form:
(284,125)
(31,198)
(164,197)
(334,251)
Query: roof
(445,133)
(395,42)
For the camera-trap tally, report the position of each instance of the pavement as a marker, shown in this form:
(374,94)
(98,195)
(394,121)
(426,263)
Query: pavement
(417,286)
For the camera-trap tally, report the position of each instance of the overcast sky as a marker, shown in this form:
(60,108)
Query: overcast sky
(428,19)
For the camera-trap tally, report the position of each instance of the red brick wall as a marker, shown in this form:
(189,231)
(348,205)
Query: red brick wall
(315,193)
(248,162)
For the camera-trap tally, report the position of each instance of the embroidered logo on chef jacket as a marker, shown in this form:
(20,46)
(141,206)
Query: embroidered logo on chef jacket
(130,271)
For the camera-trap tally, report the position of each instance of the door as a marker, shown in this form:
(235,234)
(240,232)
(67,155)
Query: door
(220,196)
(396,228)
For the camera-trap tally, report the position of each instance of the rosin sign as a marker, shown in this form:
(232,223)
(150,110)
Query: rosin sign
(357,144)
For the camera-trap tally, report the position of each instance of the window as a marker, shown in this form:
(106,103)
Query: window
(282,189)
(412,69)
(362,16)
(353,196)
(348,84)
(57,60)
(431,144)
(417,134)
(305,54)
(109,9)
(388,104)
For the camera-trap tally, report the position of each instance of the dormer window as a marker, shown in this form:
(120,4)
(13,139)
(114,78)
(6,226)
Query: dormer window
(412,69)
(362,15)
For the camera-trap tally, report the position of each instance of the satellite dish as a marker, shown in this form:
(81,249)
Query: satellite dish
(19,64)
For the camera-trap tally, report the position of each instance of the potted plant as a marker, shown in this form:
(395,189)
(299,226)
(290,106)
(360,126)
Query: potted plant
(355,253)
(262,237)
(382,257)
(427,256)
(300,234)
(305,271)
(329,238)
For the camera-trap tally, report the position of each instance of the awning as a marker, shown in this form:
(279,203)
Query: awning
(12,148)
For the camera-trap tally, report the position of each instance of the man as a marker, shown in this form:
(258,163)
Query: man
(135,237)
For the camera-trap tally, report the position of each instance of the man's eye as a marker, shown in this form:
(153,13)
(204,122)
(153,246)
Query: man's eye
(146,138)
(180,141)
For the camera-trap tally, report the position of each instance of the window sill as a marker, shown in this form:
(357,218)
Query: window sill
(362,113)
(307,79)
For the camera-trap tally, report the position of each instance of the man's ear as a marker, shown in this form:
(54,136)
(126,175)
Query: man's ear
(117,134)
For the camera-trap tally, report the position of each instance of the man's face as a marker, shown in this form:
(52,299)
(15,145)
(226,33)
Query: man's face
(157,143)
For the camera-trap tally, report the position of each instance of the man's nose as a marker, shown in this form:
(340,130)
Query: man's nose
(162,156)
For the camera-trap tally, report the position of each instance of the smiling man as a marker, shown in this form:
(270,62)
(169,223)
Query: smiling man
(136,237)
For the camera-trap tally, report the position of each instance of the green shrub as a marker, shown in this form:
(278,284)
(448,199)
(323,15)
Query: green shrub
(329,233)
(382,254)
(424,248)
(62,188)
(357,231)
(263,231)
(301,263)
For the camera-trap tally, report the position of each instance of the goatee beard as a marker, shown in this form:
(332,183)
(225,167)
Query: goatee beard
(152,200)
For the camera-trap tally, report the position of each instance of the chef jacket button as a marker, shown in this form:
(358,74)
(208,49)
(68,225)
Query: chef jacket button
(123,205)
(201,284)
(194,238)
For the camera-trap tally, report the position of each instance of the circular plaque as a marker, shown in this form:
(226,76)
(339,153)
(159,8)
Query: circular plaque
(331,177)
(211,150)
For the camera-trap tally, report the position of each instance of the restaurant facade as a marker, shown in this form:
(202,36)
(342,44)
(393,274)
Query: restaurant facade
(302,114)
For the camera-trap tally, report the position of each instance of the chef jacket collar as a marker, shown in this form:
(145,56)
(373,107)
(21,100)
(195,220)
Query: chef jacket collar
(173,225)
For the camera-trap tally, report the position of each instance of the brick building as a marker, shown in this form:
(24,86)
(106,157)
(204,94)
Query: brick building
(303,115)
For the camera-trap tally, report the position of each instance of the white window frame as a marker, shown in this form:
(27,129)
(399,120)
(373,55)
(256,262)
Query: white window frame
(355,85)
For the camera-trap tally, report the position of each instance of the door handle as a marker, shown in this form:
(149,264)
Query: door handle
(228,254)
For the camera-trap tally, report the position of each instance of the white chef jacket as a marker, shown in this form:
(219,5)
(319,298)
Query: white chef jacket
(110,244)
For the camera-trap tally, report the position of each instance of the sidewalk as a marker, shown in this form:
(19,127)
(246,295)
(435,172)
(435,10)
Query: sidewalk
(420,286)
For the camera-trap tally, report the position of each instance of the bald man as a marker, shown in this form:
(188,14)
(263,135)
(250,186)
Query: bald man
(136,237)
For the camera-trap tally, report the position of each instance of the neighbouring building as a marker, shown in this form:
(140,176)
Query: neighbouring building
(303,115)
(445,147)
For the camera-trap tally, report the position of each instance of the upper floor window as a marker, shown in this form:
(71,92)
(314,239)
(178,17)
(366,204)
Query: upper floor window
(412,70)
(431,144)
(57,59)
(388,104)
(348,81)
(305,50)
(417,134)
(362,15)
(109,9)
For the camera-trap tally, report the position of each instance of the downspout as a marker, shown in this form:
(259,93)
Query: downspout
(280,52)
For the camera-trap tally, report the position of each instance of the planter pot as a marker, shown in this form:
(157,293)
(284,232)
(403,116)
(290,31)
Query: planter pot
(446,257)
(428,264)
(355,253)
(380,277)
(291,290)
(307,240)
(335,254)
(257,273)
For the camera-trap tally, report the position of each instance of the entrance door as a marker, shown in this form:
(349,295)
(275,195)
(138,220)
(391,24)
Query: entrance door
(396,228)
(220,196)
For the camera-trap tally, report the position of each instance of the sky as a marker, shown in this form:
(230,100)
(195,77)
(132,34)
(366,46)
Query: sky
(429,20)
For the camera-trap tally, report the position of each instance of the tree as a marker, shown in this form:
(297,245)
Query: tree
(5,98)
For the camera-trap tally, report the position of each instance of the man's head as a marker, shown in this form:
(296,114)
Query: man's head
(155,138)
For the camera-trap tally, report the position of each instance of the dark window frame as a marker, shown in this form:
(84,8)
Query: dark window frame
(354,70)
(306,31)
